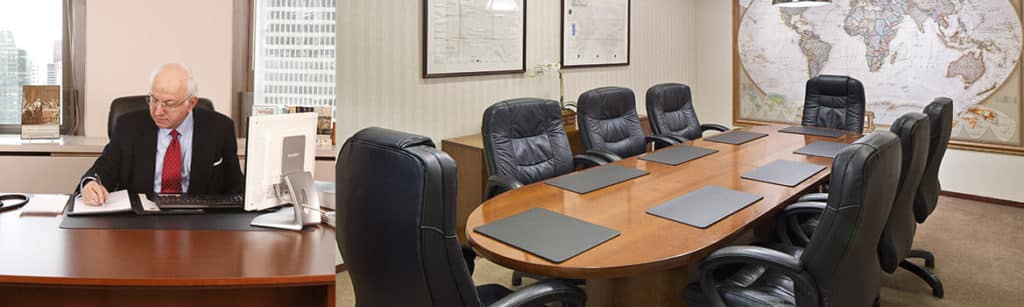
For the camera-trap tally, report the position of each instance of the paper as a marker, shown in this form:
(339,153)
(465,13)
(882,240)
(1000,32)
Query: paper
(337,257)
(148,205)
(45,205)
(116,202)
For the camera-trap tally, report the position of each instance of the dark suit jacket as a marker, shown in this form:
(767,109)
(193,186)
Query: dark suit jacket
(128,161)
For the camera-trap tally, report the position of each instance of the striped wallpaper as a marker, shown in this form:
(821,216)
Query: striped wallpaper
(380,84)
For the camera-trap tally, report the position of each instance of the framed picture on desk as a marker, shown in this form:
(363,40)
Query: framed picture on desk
(473,37)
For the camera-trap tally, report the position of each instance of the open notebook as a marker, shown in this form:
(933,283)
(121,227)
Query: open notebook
(117,201)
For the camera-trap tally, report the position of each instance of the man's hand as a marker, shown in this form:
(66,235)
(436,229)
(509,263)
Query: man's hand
(94,193)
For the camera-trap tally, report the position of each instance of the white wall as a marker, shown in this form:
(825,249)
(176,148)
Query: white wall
(379,60)
(127,39)
(713,91)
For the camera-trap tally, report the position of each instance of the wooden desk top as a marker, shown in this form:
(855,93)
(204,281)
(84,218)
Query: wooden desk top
(75,144)
(37,252)
(649,243)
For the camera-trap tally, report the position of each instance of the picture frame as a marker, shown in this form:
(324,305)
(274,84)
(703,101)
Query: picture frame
(40,112)
(473,37)
(595,33)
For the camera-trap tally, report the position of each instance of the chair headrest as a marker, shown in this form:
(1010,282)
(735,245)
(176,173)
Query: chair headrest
(607,102)
(521,117)
(833,85)
(669,96)
(392,138)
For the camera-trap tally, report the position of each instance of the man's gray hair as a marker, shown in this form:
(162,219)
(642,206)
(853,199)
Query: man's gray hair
(193,88)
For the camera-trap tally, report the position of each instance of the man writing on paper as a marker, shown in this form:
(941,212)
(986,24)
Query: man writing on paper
(172,148)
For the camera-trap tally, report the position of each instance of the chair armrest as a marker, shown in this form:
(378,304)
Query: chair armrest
(756,255)
(660,141)
(604,155)
(498,184)
(678,139)
(716,127)
(543,292)
(587,160)
(819,197)
(787,227)
(804,207)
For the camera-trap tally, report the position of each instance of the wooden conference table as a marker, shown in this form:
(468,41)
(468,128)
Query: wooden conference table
(646,264)
(43,265)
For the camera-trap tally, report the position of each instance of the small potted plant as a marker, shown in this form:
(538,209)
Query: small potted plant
(568,108)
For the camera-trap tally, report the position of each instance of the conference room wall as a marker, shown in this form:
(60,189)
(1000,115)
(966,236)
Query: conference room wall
(379,66)
(127,39)
(977,173)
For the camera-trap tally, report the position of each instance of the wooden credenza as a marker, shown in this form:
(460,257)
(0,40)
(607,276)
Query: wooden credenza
(468,153)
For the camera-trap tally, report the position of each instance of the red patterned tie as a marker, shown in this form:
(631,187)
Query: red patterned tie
(170,178)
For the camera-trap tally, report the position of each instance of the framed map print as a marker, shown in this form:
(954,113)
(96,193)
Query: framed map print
(595,32)
(473,37)
(905,52)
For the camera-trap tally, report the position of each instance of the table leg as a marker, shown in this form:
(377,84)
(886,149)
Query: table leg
(655,289)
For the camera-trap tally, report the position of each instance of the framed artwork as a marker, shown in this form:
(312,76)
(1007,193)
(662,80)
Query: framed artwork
(595,33)
(976,62)
(473,37)
(40,112)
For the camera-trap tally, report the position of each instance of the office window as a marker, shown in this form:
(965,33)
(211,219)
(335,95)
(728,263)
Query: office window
(293,52)
(31,52)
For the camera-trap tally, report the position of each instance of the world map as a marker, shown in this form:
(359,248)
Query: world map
(905,52)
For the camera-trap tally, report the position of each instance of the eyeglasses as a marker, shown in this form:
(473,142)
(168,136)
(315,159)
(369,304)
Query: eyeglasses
(167,104)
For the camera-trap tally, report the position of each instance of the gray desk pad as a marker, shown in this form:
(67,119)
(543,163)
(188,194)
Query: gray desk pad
(547,234)
(784,172)
(822,149)
(705,206)
(586,181)
(204,221)
(676,155)
(818,131)
(735,137)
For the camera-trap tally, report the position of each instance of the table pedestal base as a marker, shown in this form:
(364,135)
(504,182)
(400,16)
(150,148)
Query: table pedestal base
(655,289)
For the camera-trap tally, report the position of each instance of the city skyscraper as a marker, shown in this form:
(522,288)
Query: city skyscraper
(55,67)
(15,71)
(294,52)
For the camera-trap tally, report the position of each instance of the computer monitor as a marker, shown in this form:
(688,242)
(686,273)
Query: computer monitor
(279,156)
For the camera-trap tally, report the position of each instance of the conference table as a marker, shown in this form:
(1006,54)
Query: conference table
(646,265)
(44,265)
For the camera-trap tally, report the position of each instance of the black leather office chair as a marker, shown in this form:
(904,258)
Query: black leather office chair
(670,112)
(940,113)
(897,240)
(840,265)
(127,104)
(525,142)
(396,229)
(609,124)
(835,102)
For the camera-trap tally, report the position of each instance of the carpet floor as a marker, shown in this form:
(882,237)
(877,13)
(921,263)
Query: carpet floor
(979,256)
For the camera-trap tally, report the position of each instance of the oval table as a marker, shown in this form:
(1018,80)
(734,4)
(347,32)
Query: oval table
(646,264)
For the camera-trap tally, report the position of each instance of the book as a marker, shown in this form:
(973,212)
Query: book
(45,205)
(40,112)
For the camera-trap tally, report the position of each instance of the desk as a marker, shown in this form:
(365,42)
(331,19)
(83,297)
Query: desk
(468,153)
(646,264)
(55,166)
(43,265)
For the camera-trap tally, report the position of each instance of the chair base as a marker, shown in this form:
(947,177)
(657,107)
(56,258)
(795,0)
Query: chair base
(925,275)
(929,258)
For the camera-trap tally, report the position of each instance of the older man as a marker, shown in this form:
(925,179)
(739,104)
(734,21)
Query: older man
(172,148)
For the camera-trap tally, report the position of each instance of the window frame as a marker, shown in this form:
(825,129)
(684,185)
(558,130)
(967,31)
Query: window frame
(72,70)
